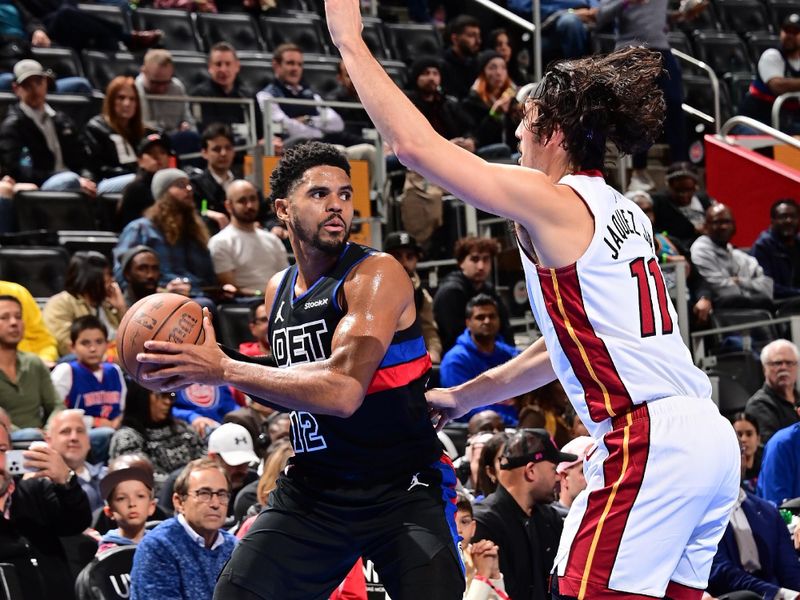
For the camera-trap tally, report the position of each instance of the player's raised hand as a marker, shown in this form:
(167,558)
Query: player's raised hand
(344,21)
(443,407)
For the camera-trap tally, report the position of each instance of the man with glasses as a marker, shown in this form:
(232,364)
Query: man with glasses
(244,255)
(157,79)
(182,557)
(774,406)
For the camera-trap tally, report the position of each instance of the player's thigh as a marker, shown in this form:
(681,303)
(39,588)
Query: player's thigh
(439,579)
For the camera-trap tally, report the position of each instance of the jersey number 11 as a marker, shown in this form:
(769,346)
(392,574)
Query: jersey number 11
(647,309)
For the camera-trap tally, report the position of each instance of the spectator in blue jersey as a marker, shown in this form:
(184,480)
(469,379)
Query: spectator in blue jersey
(777,249)
(778,480)
(203,406)
(181,558)
(478,349)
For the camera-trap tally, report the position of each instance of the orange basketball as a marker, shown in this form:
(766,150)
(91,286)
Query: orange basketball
(164,317)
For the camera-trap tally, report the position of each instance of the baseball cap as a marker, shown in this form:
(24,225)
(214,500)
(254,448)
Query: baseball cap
(532,445)
(30,68)
(400,239)
(151,140)
(790,23)
(580,446)
(114,478)
(233,443)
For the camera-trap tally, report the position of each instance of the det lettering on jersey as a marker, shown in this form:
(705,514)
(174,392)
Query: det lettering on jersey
(299,344)
(623,225)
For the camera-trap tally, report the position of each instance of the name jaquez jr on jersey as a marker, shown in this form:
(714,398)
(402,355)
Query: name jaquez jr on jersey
(624,226)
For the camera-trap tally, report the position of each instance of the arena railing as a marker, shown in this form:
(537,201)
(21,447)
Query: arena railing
(778,104)
(716,120)
(758,126)
(699,349)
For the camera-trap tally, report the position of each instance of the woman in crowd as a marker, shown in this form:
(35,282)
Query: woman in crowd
(149,428)
(750,439)
(279,456)
(500,42)
(112,136)
(492,105)
(89,289)
(489,464)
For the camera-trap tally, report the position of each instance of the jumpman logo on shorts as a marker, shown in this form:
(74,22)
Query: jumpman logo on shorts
(415,482)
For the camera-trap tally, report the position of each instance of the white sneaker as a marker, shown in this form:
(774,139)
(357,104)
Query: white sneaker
(641,182)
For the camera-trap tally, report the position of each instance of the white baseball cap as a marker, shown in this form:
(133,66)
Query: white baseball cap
(580,447)
(233,443)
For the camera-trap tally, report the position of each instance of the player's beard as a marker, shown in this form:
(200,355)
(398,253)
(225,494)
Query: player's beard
(312,238)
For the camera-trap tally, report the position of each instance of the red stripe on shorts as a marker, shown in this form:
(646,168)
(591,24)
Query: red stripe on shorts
(595,546)
(678,591)
(606,395)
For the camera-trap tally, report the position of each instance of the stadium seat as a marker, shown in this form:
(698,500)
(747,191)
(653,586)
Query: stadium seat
(730,395)
(698,93)
(39,269)
(759,41)
(102,67)
(738,84)
(54,211)
(255,74)
(723,52)
(733,342)
(374,38)
(115,14)
(305,32)
(191,69)
(79,108)
(708,20)
(107,577)
(321,77)
(233,321)
(63,62)
(680,41)
(397,70)
(6,100)
(239,30)
(178,27)
(103,242)
(10,588)
(744,367)
(780,9)
(412,40)
(743,16)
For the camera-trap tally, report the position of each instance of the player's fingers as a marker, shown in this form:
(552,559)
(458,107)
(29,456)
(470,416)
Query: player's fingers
(208,328)
(165,347)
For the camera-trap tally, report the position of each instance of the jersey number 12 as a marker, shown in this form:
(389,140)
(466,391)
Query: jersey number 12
(647,310)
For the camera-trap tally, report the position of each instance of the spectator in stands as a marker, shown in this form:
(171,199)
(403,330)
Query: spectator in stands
(26,392)
(182,557)
(774,406)
(474,256)
(481,563)
(477,350)
(67,435)
(154,152)
(141,272)
(421,202)
(112,136)
(485,421)
(89,289)
(680,210)
(565,25)
(128,496)
(518,516)
(224,82)
(778,73)
(777,249)
(544,408)
(210,184)
(255,495)
(203,406)
(157,78)
(173,228)
(232,446)
(576,426)
(571,478)
(746,427)
(778,480)
(735,278)
(39,144)
(34,512)
(646,23)
(407,251)
(35,338)
(246,256)
(259,328)
(460,66)
(500,42)
(148,427)
(355,119)
(487,473)
(755,553)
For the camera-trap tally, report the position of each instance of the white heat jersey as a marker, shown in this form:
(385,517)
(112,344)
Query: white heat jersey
(608,322)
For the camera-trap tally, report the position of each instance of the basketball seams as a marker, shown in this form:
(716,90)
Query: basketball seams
(164,321)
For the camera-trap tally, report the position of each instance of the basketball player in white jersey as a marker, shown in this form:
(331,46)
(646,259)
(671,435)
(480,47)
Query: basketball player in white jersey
(665,471)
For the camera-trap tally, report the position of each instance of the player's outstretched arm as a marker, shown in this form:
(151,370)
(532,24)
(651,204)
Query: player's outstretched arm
(527,371)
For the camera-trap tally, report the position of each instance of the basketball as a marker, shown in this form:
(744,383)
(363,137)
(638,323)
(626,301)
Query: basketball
(164,317)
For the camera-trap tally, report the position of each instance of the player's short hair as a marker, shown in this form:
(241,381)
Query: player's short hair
(479,300)
(299,159)
(86,322)
(773,210)
(467,245)
(199,464)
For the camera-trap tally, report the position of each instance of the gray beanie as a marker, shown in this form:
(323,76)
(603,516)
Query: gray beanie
(163,179)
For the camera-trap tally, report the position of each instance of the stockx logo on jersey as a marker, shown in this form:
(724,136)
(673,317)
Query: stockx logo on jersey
(315,303)
(300,344)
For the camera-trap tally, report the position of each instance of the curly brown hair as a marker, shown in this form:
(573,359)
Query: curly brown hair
(612,97)
(174,219)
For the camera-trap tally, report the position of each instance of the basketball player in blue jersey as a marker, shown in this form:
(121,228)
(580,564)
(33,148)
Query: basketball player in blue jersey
(368,477)
(664,473)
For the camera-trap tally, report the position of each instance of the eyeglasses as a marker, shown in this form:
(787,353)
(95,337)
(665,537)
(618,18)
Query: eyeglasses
(204,495)
(261,320)
(781,363)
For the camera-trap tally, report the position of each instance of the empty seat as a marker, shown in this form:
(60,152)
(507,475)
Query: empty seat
(99,241)
(39,269)
(780,9)
(397,70)
(115,14)
(6,100)
(412,40)
(680,41)
(305,32)
(734,341)
(10,587)
(707,20)
(738,84)
(102,67)
(54,211)
(744,367)
(63,62)
(79,108)
(239,30)
(191,69)
(723,52)
(698,93)
(233,321)
(177,25)
(759,41)
(743,16)
(374,38)
(255,74)
(107,576)
(730,395)
(321,77)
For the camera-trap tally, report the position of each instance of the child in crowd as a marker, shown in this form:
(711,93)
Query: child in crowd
(128,493)
(481,562)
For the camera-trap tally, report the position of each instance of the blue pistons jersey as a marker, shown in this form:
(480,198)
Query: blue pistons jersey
(390,435)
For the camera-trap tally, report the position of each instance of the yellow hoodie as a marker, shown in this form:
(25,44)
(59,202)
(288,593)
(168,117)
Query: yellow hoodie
(37,338)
